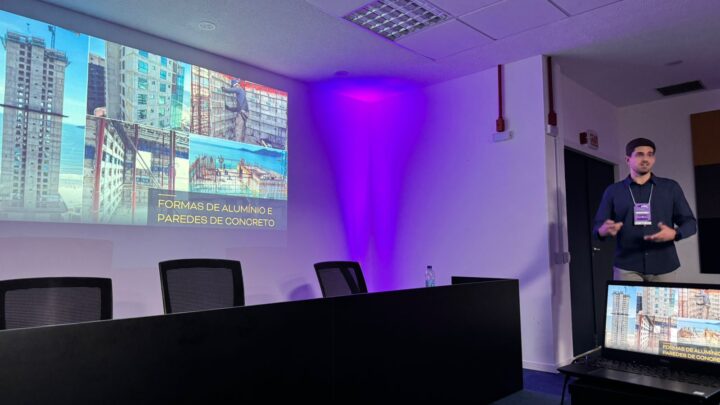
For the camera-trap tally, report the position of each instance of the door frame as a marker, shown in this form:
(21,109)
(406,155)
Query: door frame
(566,228)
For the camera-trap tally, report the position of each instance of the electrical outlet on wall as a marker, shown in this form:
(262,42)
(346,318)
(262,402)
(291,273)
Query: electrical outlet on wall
(502,136)
(552,130)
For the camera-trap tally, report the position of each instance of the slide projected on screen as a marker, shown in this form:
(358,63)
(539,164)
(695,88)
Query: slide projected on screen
(98,132)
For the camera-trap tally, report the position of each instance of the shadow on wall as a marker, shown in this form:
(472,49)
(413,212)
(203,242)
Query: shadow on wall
(559,274)
(302,292)
(293,289)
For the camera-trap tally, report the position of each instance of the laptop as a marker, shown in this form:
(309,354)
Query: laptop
(659,335)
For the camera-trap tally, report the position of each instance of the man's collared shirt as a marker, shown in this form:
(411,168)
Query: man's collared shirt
(668,205)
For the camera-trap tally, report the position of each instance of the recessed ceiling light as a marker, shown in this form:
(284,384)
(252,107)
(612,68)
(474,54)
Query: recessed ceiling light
(394,19)
(206,26)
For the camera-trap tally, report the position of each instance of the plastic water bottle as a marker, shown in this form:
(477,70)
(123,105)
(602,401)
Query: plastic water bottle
(429,277)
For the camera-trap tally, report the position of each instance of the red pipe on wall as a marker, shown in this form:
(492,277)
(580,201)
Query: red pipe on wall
(552,117)
(500,123)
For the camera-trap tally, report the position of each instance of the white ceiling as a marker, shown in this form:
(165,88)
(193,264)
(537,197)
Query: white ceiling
(618,49)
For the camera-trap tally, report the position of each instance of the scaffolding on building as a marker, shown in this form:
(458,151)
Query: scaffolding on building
(200,101)
(267,122)
(147,160)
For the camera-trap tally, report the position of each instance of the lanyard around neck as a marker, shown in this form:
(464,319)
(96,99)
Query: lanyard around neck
(633,197)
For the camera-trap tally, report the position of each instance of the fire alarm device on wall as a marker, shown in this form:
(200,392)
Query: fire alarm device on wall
(594,142)
(589,138)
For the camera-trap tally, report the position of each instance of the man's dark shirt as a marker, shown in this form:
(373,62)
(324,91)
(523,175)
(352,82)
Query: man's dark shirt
(668,205)
(241,103)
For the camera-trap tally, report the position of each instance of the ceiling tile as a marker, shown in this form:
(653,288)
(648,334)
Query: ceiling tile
(338,8)
(460,7)
(444,39)
(621,48)
(510,17)
(574,7)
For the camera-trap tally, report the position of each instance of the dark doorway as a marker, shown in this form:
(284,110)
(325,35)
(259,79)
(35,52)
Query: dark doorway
(706,157)
(590,259)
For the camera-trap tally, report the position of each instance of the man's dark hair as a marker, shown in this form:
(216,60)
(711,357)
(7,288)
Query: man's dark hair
(630,147)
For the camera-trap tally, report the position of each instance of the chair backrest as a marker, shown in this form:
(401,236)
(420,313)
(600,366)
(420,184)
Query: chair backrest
(340,278)
(200,284)
(44,301)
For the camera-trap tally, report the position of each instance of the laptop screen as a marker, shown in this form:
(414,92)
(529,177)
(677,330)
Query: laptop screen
(675,320)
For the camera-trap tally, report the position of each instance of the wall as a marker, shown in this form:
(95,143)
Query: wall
(472,207)
(276,266)
(578,110)
(368,128)
(667,123)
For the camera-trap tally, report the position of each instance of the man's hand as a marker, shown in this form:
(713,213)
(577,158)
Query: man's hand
(610,227)
(666,234)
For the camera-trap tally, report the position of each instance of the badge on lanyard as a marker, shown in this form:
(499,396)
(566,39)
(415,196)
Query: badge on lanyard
(642,214)
(641,211)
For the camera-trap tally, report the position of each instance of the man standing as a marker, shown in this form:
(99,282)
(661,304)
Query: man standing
(241,108)
(646,214)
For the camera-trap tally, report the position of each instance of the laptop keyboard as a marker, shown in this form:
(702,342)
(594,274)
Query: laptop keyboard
(658,371)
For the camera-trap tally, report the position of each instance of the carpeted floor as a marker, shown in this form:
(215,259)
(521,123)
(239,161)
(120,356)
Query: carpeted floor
(540,388)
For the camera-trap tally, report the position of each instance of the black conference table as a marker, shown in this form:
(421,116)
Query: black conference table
(448,343)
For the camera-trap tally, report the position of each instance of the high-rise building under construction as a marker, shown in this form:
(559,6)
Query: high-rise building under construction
(143,88)
(32,128)
(96,83)
(267,122)
(208,115)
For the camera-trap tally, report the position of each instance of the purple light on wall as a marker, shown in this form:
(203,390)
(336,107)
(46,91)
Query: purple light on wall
(341,122)
(370,90)
(366,95)
(369,128)
(397,126)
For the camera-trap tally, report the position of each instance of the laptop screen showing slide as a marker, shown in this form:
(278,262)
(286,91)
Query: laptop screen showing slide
(658,336)
(673,321)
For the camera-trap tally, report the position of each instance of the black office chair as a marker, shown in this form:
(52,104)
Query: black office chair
(200,284)
(340,278)
(29,302)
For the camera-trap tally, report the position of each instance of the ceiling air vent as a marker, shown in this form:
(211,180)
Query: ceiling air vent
(681,88)
(394,19)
